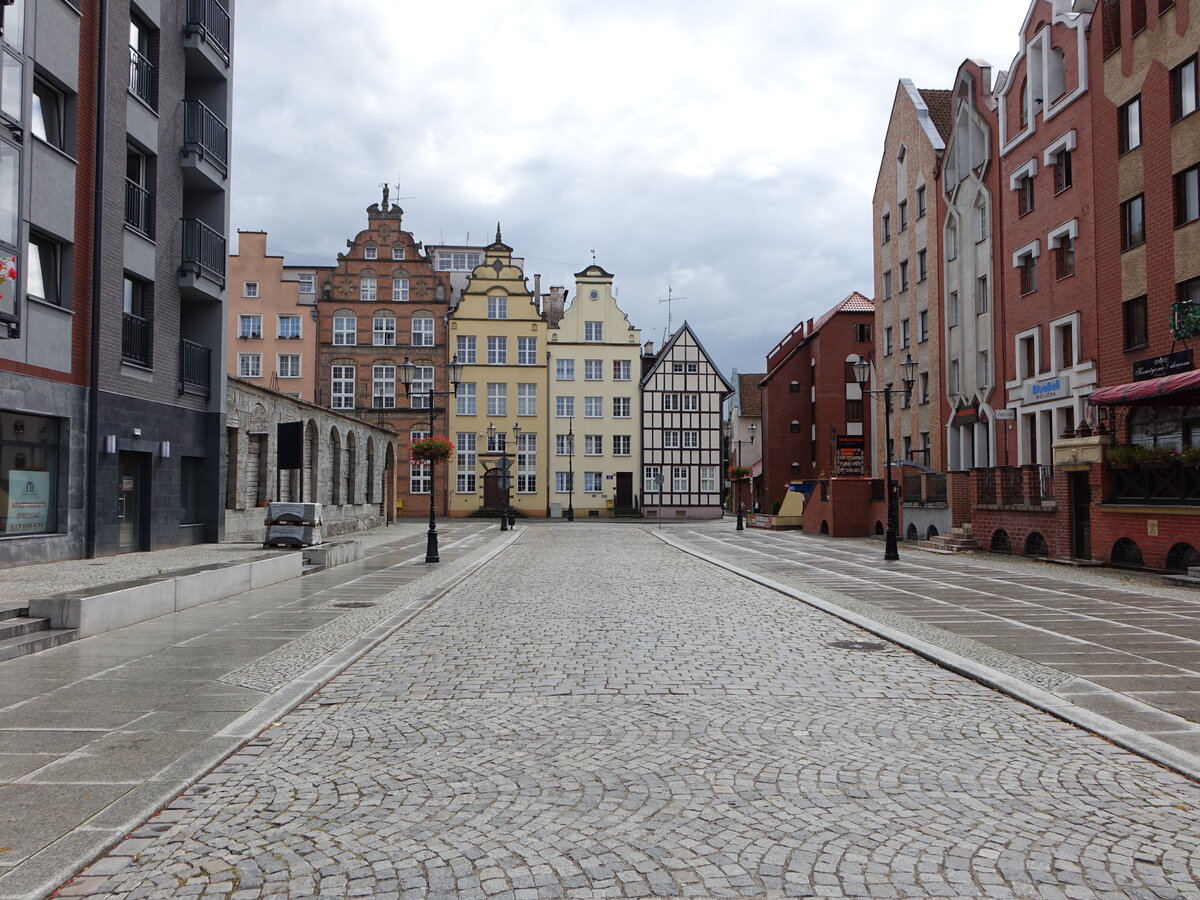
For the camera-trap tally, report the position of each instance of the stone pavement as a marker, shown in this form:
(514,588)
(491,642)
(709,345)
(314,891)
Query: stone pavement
(1114,644)
(96,735)
(596,714)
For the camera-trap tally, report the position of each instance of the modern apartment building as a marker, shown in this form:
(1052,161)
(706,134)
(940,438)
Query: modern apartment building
(595,361)
(115,160)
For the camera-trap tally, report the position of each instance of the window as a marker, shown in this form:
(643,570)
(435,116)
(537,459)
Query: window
(903,215)
(383,331)
(397,251)
(1129,125)
(923,387)
(497,351)
(562,482)
(466,349)
(593,332)
(1111,11)
(1027,356)
(43,269)
(345,331)
(903,275)
(466,447)
(1024,194)
(465,399)
(981,295)
(141,69)
(564,445)
(421,388)
(951,240)
(1133,222)
(1138,16)
(921,202)
(526,351)
(954,377)
(922,265)
(691,440)
(1136,331)
(564,407)
(249,327)
(1187,195)
(593,370)
(399,289)
(672,403)
(983,372)
(1183,90)
(307,283)
(289,328)
(564,370)
(458,262)
(497,307)
(862,333)
(691,402)
(370,251)
(593,482)
(621,370)
(885,227)
(904,333)
(383,386)
(48,106)
(1061,161)
(952,309)
(250,365)
(189,489)
(887,341)
(621,444)
(1027,266)
(679,478)
(368,288)
(420,477)
(497,399)
(923,326)
(527,464)
(1187,292)
(593,407)
(708,479)
(1064,256)
(593,445)
(422,330)
(342,395)
(651,479)
(887,285)
(527,399)
(981,221)
(621,407)
(288,365)
(671,440)
(1064,345)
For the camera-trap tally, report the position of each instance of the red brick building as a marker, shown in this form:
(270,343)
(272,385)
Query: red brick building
(382,304)
(810,398)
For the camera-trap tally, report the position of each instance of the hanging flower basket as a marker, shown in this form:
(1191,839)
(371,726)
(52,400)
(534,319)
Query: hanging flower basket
(430,450)
(736,473)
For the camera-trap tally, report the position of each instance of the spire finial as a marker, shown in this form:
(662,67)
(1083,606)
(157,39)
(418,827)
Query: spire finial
(498,240)
(384,206)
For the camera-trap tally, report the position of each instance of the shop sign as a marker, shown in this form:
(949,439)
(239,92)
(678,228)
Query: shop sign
(28,502)
(1005,414)
(966,415)
(850,454)
(1167,364)
(1048,389)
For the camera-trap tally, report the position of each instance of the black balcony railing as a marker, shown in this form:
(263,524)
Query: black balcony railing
(203,129)
(139,208)
(141,76)
(195,367)
(204,247)
(210,19)
(1169,484)
(135,340)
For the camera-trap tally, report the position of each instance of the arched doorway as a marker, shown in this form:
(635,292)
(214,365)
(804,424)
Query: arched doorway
(493,489)
(389,482)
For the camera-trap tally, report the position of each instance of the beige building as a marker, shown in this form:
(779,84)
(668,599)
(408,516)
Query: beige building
(499,336)
(272,319)
(595,404)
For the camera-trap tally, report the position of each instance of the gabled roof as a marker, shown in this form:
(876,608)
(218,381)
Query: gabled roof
(666,351)
(749,394)
(853,303)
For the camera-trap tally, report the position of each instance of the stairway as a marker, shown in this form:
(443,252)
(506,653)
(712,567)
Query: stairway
(21,635)
(959,540)
(1191,579)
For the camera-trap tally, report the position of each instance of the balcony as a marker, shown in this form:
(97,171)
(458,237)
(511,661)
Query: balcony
(135,340)
(202,267)
(1156,484)
(206,37)
(141,77)
(139,209)
(1029,488)
(204,156)
(195,368)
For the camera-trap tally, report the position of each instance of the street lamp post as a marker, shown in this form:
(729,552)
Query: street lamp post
(499,444)
(571,469)
(741,509)
(454,374)
(908,374)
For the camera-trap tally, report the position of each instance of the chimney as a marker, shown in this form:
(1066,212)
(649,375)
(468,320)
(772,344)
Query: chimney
(556,302)
(537,291)
(648,348)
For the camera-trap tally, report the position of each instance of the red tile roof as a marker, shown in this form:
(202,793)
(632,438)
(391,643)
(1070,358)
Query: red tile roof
(750,394)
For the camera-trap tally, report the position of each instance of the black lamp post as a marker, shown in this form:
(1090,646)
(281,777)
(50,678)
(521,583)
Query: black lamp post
(741,508)
(908,374)
(499,444)
(571,469)
(454,374)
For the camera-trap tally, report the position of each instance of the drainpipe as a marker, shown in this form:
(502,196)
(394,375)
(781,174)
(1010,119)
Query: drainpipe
(93,414)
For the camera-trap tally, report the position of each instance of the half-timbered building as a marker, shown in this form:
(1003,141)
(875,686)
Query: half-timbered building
(682,396)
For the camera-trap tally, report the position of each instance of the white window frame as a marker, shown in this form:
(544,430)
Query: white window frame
(249,326)
(593,482)
(527,463)
(399,289)
(564,407)
(307,283)
(564,370)
(708,479)
(593,332)
(250,290)
(466,449)
(593,445)
(497,398)
(497,351)
(691,403)
(526,350)
(671,440)
(383,386)
(527,399)
(467,349)
(368,288)
(622,445)
(383,331)
(290,368)
(249,365)
(345,335)
(466,399)
(497,306)
(680,479)
(593,370)
(691,440)
(622,370)
(423,334)
(650,476)
(625,404)
(282,332)
(593,407)
(342,385)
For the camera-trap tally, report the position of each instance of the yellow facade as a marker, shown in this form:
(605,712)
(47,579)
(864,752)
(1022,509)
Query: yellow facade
(595,372)
(499,335)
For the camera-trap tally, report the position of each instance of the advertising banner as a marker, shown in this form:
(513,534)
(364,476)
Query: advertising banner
(849,454)
(28,501)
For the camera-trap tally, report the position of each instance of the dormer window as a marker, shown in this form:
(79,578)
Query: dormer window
(370,251)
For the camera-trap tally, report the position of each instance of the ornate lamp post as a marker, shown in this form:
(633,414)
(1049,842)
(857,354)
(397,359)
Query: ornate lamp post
(499,443)
(908,374)
(571,469)
(454,374)
(728,429)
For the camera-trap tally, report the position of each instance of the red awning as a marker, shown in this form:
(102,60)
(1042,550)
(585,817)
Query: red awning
(756,469)
(1145,390)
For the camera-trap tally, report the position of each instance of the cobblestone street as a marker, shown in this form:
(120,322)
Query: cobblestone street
(652,725)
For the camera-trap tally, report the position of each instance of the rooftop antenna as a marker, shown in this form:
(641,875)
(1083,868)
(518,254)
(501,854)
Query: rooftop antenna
(667,300)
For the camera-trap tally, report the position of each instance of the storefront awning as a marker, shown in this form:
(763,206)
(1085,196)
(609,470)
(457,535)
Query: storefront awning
(756,469)
(1136,391)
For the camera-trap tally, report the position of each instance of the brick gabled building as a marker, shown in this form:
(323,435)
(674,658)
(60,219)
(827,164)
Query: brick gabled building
(907,252)
(383,303)
(809,397)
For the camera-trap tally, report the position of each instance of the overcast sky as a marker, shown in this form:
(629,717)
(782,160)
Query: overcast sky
(728,150)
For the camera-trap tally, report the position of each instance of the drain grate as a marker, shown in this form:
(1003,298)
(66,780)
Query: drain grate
(352,604)
(864,646)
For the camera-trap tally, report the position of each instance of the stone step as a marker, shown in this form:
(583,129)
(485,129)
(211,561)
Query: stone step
(933,547)
(1188,580)
(15,626)
(25,644)
(1194,572)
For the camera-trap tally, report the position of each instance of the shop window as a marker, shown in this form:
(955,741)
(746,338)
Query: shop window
(28,474)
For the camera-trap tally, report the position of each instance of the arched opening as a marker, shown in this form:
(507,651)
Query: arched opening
(1035,545)
(335,474)
(351,467)
(824,526)
(389,481)
(370,486)
(258,454)
(1181,557)
(312,442)
(1126,555)
(878,528)
(911,533)
(931,533)
(1000,541)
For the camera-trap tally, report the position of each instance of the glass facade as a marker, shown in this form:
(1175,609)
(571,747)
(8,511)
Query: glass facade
(29,454)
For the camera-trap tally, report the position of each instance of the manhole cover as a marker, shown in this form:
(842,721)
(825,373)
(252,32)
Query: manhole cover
(857,645)
(352,604)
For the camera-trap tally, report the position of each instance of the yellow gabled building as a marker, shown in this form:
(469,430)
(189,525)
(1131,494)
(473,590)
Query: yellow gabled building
(499,335)
(594,407)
